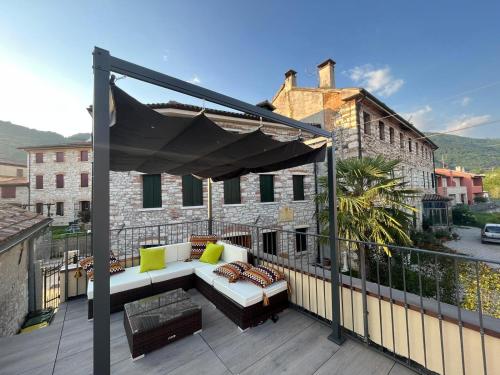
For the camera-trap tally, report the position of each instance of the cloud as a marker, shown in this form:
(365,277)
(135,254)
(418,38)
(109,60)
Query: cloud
(165,58)
(195,80)
(420,117)
(379,81)
(464,102)
(468,123)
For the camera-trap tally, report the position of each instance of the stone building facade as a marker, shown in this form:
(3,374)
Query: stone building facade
(14,190)
(60,180)
(362,125)
(283,213)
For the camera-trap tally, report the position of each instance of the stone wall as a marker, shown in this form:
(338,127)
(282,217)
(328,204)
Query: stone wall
(22,194)
(72,193)
(13,288)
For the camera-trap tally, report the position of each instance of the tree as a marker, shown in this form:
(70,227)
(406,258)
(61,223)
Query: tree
(373,205)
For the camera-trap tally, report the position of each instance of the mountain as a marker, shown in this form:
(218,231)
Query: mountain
(13,136)
(474,154)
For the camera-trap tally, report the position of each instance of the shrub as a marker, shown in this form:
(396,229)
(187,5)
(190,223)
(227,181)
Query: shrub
(480,199)
(463,216)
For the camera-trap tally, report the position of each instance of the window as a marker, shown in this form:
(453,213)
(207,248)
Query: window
(391,135)
(59,156)
(39,182)
(60,208)
(422,150)
(39,208)
(151,190)
(232,193)
(423,177)
(84,206)
(192,191)
(269,242)
(19,173)
(409,144)
(59,181)
(366,123)
(84,155)
(84,180)
(300,239)
(298,188)
(432,180)
(401,140)
(8,191)
(416,147)
(39,157)
(266,188)
(381,130)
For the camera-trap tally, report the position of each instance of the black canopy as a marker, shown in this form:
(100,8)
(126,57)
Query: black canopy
(144,140)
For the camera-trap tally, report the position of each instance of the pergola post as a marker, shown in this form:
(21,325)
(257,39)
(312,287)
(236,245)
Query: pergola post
(100,211)
(336,335)
(209,206)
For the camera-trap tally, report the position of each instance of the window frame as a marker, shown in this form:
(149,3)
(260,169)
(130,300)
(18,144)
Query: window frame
(38,157)
(86,153)
(298,196)
(273,242)
(367,129)
(60,156)
(301,237)
(59,181)
(86,185)
(155,200)
(190,187)
(59,208)
(401,140)
(381,130)
(391,135)
(269,196)
(8,192)
(39,182)
(39,208)
(232,191)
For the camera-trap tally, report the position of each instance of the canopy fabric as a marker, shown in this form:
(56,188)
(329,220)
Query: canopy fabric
(144,140)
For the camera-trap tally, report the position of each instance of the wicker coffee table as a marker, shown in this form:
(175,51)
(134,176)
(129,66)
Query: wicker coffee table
(156,321)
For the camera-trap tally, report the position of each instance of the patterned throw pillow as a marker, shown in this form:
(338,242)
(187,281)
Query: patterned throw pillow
(198,244)
(87,265)
(232,271)
(263,276)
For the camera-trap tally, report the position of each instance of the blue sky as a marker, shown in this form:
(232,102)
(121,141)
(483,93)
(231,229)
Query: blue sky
(437,63)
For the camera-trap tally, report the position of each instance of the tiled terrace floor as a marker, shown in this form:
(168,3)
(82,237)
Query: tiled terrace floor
(296,344)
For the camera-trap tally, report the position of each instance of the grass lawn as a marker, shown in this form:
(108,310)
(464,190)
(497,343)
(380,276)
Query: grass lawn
(59,232)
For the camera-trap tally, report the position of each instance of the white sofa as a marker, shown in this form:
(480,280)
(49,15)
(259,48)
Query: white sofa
(131,285)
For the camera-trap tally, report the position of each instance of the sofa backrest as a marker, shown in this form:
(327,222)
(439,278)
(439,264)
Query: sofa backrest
(233,253)
(177,251)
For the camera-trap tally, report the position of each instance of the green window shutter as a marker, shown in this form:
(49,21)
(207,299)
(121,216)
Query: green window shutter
(192,191)
(266,188)
(151,190)
(298,188)
(232,191)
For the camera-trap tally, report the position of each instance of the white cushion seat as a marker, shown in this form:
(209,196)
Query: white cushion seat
(172,270)
(205,271)
(275,288)
(242,292)
(123,281)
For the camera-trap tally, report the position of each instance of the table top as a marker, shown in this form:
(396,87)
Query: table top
(152,312)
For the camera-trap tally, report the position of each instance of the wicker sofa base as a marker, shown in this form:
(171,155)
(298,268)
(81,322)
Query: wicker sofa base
(244,317)
(117,300)
(145,342)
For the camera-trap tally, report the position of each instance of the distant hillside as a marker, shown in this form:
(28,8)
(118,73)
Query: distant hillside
(472,153)
(13,136)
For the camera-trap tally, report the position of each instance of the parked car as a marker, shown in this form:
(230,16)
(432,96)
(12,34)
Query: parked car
(490,233)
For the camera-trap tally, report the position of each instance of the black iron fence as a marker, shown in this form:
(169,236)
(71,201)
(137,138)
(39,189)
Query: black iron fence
(432,311)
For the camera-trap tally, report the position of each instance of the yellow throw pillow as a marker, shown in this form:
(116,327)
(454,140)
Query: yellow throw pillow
(212,253)
(152,259)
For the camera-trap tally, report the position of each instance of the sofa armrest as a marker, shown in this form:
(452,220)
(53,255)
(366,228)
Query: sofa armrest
(233,253)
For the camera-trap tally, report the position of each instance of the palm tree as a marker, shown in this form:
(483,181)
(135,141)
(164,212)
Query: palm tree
(373,205)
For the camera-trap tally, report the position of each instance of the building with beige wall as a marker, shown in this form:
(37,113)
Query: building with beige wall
(60,180)
(12,169)
(362,124)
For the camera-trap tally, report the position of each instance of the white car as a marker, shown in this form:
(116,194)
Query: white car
(490,233)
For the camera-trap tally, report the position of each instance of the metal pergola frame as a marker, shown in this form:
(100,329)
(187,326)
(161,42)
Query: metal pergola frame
(103,65)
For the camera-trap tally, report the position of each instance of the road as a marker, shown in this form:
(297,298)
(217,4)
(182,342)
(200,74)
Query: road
(470,243)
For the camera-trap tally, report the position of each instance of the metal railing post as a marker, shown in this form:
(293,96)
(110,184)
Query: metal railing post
(66,268)
(336,335)
(362,260)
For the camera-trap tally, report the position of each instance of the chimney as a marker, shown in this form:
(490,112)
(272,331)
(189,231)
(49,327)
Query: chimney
(290,79)
(326,74)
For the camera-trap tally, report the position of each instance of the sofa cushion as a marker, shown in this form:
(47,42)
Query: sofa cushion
(232,271)
(275,288)
(183,250)
(129,279)
(212,253)
(233,253)
(171,271)
(199,243)
(206,271)
(242,292)
(263,276)
(152,259)
(87,265)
